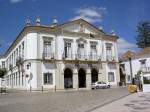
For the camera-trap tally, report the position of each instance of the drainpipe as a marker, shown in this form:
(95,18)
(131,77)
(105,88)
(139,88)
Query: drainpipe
(130,61)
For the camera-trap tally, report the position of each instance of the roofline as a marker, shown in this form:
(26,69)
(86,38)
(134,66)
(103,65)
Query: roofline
(44,26)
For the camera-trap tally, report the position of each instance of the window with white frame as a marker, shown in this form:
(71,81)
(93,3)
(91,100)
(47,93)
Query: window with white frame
(81,50)
(143,63)
(93,51)
(108,49)
(111,77)
(47,47)
(129,78)
(67,48)
(48,78)
(23,50)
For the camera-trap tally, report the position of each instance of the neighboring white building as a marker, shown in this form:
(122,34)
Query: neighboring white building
(69,55)
(139,61)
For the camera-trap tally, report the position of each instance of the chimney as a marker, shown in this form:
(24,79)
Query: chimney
(55,21)
(38,21)
(27,22)
(113,33)
(100,27)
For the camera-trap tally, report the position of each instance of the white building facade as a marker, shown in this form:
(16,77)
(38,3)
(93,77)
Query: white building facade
(139,62)
(70,55)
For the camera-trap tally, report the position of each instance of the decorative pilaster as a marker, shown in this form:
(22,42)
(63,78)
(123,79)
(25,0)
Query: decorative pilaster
(88,79)
(75,79)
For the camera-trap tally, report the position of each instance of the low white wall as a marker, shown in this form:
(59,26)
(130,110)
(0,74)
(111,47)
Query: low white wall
(146,87)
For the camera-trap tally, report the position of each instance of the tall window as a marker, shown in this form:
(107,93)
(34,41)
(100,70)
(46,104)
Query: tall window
(111,77)
(143,63)
(81,51)
(67,49)
(48,78)
(3,64)
(19,51)
(47,48)
(23,50)
(109,51)
(93,51)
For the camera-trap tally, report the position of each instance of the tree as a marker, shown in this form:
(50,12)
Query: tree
(3,71)
(143,36)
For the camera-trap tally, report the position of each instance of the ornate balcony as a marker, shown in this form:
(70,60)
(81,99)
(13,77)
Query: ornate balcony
(48,55)
(110,58)
(90,57)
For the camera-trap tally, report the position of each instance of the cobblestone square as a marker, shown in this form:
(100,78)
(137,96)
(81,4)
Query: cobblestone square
(64,101)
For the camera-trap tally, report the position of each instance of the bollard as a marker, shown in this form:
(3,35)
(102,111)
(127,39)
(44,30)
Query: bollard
(42,88)
(30,88)
(55,88)
(77,87)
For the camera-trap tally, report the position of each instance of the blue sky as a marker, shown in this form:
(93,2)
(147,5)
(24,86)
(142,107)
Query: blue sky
(120,15)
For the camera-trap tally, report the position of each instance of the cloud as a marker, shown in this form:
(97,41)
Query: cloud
(15,1)
(124,45)
(90,14)
(18,1)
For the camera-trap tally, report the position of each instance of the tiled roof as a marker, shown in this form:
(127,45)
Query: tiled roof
(131,54)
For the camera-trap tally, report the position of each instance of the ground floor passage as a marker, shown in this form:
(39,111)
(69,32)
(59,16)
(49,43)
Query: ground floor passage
(82,77)
(68,78)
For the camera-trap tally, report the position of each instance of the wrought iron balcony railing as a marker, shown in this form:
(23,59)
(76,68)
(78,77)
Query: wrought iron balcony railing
(110,58)
(48,55)
(93,57)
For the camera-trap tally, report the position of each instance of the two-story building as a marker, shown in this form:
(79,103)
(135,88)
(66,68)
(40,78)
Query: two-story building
(69,55)
(135,62)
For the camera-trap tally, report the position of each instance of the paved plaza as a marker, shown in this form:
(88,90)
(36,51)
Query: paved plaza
(138,102)
(64,101)
(102,100)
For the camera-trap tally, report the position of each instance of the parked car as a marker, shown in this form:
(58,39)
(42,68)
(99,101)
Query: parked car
(100,84)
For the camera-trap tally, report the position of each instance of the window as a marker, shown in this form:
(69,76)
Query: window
(3,64)
(48,78)
(143,63)
(23,50)
(129,78)
(67,49)
(111,77)
(81,51)
(19,51)
(47,47)
(80,45)
(108,49)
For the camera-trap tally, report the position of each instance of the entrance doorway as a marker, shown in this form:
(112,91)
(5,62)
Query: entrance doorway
(94,75)
(68,82)
(82,78)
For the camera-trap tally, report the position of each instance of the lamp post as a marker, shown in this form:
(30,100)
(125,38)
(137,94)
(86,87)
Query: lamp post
(130,61)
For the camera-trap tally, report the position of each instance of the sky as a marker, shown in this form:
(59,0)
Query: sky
(121,16)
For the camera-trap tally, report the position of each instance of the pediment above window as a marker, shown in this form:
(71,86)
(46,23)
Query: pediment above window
(81,40)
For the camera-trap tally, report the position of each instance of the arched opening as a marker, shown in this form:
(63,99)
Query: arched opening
(94,75)
(82,78)
(68,82)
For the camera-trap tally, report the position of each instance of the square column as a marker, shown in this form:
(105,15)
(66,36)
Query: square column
(88,79)
(102,75)
(75,79)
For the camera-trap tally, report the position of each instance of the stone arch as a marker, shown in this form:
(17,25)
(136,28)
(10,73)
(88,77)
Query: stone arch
(68,78)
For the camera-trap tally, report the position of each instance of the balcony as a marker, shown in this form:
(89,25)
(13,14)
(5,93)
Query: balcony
(90,57)
(145,69)
(67,56)
(48,56)
(110,58)
(93,56)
